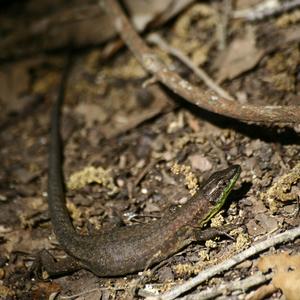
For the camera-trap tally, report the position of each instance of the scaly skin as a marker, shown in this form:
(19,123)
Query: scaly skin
(132,248)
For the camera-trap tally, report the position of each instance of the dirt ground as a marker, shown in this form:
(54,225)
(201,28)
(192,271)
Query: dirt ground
(131,151)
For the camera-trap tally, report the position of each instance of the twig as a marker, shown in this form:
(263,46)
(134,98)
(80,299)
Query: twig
(158,40)
(266,9)
(286,236)
(209,293)
(222,26)
(144,172)
(207,100)
(243,285)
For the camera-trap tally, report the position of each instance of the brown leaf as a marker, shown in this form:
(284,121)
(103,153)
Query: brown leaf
(44,290)
(91,113)
(83,23)
(286,272)
(154,12)
(200,162)
(241,56)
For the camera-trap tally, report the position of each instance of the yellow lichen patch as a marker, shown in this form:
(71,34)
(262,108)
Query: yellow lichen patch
(193,269)
(75,212)
(288,19)
(92,175)
(217,220)
(211,244)
(284,189)
(190,178)
(184,269)
(204,255)
(242,241)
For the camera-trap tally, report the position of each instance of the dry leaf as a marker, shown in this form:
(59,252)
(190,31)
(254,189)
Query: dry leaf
(200,162)
(92,113)
(157,11)
(241,56)
(83,23)
(286,272)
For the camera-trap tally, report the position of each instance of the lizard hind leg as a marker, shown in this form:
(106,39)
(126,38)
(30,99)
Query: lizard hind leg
(210,233)
(45,265)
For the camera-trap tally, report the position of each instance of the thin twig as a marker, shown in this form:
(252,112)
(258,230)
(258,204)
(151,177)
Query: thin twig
(222,26)
(207,100)
(144,172)
(286,236)
(161,43)
(244,285)
(209,293)
(266,9)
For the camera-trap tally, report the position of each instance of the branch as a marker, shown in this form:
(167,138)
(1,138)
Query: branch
(266,9)
(207,100)
(242,285)
(286,236)
(159,41)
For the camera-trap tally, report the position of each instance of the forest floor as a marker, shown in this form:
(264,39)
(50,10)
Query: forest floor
(132,148)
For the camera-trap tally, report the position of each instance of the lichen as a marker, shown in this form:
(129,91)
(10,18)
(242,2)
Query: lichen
(218,220)
(92,175)
(284,189)
(191,180)
(211,244)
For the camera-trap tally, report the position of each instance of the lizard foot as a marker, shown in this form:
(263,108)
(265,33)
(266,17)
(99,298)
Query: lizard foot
(46,266)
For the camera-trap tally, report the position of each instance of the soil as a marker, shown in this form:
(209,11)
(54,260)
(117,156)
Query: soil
(133,140)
